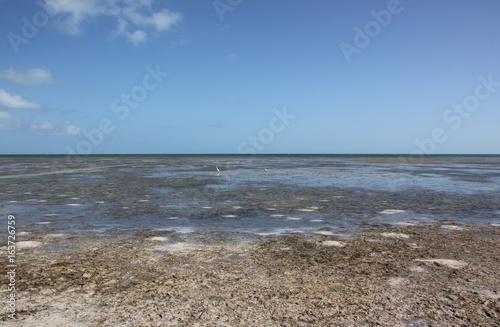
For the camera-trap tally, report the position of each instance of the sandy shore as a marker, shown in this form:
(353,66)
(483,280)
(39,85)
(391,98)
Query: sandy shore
(412,276)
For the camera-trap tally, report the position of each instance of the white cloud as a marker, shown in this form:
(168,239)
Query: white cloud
(161,21)
(72,15)
(137,37)
(121,29)
(70,129)
(165,19)
(48,128)
(34,76)
(44,127)
(10,101)
(8,122)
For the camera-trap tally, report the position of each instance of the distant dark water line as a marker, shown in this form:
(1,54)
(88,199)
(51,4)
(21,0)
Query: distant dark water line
(263,155)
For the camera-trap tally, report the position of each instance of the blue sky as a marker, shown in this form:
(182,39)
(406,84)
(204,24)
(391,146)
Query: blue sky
(240,76)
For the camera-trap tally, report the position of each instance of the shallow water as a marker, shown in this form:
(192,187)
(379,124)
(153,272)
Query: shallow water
(263,195)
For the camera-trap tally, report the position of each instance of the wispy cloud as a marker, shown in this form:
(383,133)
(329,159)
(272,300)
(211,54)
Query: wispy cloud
(229,100)
(133,17)
(70,129)
(46,127)
(214,125)
(36,76)
(180,42)
(10,101)
(7,122)
(137,37)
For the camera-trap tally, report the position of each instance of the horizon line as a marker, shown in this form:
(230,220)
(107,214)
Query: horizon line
(248,155)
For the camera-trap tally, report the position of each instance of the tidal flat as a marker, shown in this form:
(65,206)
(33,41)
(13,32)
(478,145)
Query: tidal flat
(432,277)
(239,241)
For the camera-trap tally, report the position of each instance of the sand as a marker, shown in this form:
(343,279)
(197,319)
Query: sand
(158,238)
(324,232)
(395,235)
(453,227)
(333,243)
(451,279)
(455,264)
(27,244)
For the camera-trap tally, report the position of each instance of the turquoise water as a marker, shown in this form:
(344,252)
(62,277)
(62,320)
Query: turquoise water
(261,195)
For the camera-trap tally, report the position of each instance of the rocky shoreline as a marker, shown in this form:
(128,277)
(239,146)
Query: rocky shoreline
(430,275)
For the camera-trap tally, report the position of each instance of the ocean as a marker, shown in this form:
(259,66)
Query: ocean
(262,195)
